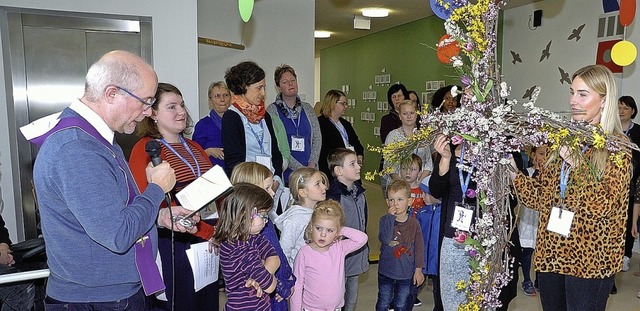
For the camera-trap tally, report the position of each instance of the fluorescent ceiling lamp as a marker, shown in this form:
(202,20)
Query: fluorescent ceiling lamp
(321,34)
(375,12)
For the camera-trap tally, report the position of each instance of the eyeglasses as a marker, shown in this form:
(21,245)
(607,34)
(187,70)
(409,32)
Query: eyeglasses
(255,214)
(218,96)
(342,103)
(147,103)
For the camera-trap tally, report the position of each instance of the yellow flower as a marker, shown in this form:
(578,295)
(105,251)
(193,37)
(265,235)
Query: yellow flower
(460,285)
(598,140)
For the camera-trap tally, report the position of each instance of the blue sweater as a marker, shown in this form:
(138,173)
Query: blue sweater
(88,228)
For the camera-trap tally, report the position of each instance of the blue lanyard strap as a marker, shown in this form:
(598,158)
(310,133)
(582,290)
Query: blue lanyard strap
(564,176)
(342,130)
(290,116)
(260,139)
(464,184)
(186,146)
(629,128)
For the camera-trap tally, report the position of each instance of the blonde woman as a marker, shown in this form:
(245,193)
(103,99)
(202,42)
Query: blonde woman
(577,268)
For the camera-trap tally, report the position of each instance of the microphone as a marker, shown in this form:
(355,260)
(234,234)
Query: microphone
(153,148)
(153,151)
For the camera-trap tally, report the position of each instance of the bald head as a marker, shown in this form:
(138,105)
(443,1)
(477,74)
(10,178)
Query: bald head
(119,68)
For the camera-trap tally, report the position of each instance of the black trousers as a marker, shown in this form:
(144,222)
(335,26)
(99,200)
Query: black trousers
(560,292)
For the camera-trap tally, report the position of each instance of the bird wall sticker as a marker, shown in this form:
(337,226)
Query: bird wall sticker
(575,34)
(545,52)
(516,57)
(564,76)
(529,93)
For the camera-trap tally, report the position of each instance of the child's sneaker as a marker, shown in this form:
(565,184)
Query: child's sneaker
(625,263)
(528,289)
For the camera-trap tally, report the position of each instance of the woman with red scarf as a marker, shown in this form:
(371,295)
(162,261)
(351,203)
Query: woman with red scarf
(247,131)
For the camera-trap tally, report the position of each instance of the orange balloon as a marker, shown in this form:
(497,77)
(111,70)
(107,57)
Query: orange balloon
(446,50)
(627,12)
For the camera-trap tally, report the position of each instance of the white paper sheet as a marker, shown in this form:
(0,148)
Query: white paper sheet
(203,264)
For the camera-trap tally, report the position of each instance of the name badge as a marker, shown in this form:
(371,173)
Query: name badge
(297,143)
(462,216)
(264,160)
(560,221)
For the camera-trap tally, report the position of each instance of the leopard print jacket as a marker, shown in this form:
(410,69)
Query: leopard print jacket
(595,245)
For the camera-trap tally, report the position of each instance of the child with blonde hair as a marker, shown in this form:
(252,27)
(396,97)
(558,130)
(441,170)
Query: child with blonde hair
(259,175)
(320,265)
(308,187)
(247,260)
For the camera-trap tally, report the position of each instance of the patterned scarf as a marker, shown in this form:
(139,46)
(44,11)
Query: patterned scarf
(253,113)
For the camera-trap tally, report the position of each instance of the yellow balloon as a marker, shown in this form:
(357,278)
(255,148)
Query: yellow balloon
(623,53)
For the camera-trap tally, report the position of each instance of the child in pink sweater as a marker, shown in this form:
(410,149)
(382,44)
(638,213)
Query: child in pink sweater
(319,265)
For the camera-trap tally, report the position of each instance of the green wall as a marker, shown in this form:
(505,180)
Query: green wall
(406,52)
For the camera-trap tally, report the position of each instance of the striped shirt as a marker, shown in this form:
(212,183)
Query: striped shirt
(243,260)
(184,174)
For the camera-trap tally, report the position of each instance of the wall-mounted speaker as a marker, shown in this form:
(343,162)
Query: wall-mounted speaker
(537,18)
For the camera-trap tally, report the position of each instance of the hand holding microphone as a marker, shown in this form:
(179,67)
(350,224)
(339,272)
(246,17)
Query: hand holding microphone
(159,172)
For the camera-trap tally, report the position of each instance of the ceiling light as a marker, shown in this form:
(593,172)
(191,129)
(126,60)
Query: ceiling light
(375,12)
(321,34)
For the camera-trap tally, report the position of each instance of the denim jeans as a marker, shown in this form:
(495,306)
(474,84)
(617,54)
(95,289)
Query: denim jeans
(350,293)
(137,302)
(560,292)
(397,290)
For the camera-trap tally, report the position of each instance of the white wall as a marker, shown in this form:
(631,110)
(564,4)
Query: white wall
(559,18)
(279,31)
(174,56)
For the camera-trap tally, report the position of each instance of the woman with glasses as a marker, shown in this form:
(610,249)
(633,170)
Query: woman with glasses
(299,134)
(208,131)
(168,123)
(336,131)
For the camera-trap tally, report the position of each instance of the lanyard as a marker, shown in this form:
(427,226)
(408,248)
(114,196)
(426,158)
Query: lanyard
(564,176)
(260,139)
(342,130)
(628,128)
(290,117)
(464,185)
(186,146)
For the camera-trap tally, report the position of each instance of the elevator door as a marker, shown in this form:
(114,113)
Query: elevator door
(58,51)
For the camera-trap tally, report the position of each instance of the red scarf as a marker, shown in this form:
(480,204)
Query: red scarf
(253,113)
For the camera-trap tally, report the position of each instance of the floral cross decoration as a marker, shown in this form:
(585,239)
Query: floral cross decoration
(491,128)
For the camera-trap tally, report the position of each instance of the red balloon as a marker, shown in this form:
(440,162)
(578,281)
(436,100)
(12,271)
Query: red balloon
(627,12)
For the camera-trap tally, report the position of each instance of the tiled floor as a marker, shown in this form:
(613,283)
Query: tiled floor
(625,300)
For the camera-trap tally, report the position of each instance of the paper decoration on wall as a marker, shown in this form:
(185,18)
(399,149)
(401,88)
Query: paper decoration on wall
(545,52)
(564,76)
(603,55)
(516,57)
(610,6)
(447,48)
(575,34)
(245,7)
(529,92)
